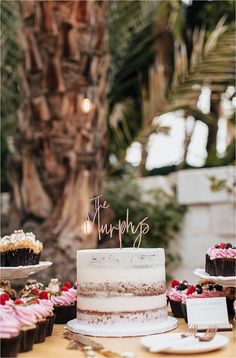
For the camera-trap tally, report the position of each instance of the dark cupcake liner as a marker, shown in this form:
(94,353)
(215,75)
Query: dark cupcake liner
(10,347)
(50,322)
(22,257)
(220,267)
(40,334)
(184,311)
(3,259)
(230,307)
(176,309)
(27,340)
(64,313)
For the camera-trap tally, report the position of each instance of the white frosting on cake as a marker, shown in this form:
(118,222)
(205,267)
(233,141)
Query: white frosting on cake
(117,287)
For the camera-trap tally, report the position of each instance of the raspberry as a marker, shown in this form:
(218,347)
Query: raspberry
(18,302)
(35,300)
(67,284)
(174,283)
(3,298)
(222,245)
(64,289)
(43,295)
(190,290)
(35,291)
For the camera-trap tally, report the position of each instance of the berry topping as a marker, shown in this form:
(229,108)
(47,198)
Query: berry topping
(210,288)
(222,245)
(217,246)
(185,282)
(35,300)
(190,290)
(174,283)
(35,291)
(228,245)
(218,287)
(43,295)
(19,302)
(3,298)
(181,287)
(199,289)
(67,284)
(64,289)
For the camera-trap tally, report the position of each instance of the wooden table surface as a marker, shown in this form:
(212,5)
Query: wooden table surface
(55,346)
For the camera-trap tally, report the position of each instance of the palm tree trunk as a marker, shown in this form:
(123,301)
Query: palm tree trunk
(61,149)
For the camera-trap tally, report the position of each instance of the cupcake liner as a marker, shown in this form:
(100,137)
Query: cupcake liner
(27,339)
(176,309)
(230,307)
(220,267)
(22,257)
(40,334)
(64,313)
(50,322)
(184,311)
(3,259)
(10,347)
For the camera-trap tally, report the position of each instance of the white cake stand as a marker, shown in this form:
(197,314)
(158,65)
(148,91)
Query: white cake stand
(13,272)
(94,330)
(226,281)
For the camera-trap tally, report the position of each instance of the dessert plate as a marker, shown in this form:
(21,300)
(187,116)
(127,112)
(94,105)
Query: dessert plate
(172,343)
(222,280)
(8,273)
(101,331)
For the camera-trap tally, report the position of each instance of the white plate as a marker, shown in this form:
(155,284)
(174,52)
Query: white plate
(7,273)
(182,346)
(222,280)
(132,331)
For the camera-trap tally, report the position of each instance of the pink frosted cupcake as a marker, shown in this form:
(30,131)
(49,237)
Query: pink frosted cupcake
(64,303)
(207,289)
(27,321)
(221,260)
(9,334)
(50,318)
(175,295)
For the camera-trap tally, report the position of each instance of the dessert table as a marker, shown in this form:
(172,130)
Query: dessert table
(55,346)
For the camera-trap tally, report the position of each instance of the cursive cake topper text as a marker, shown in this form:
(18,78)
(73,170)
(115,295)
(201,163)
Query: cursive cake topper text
(122,227)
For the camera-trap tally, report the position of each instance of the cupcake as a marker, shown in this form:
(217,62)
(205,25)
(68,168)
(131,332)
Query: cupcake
(64,302)
(5,286)
(27,321)
(220,260)
(20,249)
(50,318)
(9,334)
(205,289)
(175,295)
(40,312)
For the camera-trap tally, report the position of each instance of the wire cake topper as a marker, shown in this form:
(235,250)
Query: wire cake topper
(123,226)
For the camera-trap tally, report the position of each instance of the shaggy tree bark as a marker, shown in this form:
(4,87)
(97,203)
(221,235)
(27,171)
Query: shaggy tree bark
(60,150)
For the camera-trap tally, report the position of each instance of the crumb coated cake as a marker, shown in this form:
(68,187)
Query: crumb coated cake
(121,287)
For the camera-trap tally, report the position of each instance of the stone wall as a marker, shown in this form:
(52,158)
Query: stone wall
(209,219)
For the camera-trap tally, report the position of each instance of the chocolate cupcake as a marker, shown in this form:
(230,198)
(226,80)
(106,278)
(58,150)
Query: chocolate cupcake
(220,260)
(27,321)
(9,335)
(175,295)
(20,249)
(64,302)
(204,289)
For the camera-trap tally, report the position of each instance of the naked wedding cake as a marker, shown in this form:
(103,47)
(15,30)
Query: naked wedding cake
(121,291)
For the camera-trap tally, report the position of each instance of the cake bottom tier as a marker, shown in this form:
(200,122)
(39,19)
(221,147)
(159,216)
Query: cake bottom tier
(122,319)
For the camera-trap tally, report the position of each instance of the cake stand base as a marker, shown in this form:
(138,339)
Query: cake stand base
(89,330)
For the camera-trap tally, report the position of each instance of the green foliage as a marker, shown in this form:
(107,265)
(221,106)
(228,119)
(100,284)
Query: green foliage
(217,185)
(164,213)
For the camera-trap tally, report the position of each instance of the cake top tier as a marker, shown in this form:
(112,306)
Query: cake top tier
(125,257)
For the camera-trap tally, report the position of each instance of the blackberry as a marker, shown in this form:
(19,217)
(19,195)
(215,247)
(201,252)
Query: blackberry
(210,288)
(199,289)
(218,287)
(217,246)
(228,246)
(181,287)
